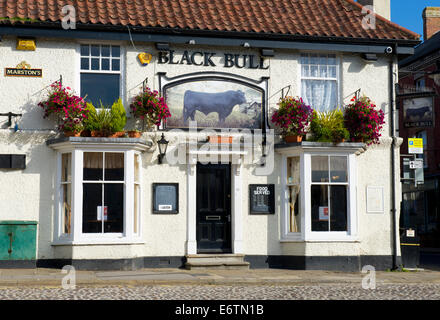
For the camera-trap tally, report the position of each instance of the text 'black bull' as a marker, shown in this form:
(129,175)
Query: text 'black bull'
(222,103)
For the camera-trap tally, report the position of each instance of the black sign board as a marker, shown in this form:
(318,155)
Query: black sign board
(262,198)
(166,198)
(17,72)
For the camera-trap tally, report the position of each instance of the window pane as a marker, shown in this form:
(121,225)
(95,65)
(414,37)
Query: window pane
(85,63)
(95,64)
(115,65)
(114,204)
(105,64)
(320,212)
(67,208)
(95,51)
(66,167)
(293,170)
(294,209)
(100,87)
(314,71)
(116,51)
(332,59)
(320,169)
(92,208)
(105,51)
(305,71)
(338,210)
(322,59)
(321,94)
(114,166)
(136,167)
(323,71)
(332,72)
(85,50)
(304,59)
(93,166)
(338,169)
(313,59)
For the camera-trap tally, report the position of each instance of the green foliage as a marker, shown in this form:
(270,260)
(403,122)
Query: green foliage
(119,118)
(328,126)
(106,120)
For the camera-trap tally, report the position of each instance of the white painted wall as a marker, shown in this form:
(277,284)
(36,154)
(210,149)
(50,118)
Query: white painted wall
(30,194)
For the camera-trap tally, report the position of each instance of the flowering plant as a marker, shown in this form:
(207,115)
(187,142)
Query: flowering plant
(150,106)
(70,108)
(363,121)
(293,116)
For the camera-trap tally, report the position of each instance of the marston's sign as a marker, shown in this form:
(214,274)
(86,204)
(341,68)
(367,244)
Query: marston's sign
(199,58)
(23,69)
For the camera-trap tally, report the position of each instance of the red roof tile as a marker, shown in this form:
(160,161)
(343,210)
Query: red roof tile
(323,18)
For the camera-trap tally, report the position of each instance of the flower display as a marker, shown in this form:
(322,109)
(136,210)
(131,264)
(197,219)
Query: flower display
(363,121)
(293,116)
(70,108)
(149,106)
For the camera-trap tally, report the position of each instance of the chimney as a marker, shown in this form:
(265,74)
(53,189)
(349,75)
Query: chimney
(381,7)
(431,22)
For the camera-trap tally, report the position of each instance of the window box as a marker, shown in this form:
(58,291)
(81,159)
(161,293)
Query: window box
(99,190)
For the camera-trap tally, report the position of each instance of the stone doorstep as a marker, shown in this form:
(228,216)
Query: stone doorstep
(216,261)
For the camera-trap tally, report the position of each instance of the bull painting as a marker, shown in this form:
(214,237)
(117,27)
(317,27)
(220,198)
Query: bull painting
(418,113)
(222,103)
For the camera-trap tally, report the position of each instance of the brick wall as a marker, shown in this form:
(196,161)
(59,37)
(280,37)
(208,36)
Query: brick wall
(431,21)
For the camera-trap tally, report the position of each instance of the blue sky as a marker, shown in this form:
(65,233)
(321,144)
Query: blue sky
(408,13)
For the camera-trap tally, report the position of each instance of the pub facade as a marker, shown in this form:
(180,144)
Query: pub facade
(214,184)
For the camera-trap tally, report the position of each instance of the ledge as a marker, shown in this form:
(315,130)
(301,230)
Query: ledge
(58,143)
(351,147)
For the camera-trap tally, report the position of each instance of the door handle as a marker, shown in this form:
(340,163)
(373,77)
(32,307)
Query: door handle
(10,242)
(213,218)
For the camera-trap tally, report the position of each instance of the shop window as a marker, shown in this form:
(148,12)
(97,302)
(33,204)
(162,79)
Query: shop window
(319,199)
(319,80)
(100,74)
(100,196)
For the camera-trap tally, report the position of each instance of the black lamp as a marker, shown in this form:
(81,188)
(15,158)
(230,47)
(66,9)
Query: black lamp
(163,144)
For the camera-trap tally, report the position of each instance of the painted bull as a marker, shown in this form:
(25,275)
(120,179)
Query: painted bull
(222,103)
(417,113)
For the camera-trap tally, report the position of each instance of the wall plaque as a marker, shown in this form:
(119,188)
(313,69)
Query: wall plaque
(23,69)
(262,198)
(166,198)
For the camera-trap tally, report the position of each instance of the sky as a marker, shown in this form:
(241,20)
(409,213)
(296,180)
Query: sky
(408,13)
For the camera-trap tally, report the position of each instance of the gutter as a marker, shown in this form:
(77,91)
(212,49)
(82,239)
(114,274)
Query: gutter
(207,37)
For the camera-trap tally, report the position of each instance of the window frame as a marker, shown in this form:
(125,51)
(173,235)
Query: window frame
(77,236)
(306,233)
(338,78)
(121,72)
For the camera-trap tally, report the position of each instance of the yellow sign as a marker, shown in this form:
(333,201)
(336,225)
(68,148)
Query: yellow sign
(26,44)
(415,145)
(145,58)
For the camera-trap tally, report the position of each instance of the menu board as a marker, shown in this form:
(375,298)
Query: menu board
(262,198)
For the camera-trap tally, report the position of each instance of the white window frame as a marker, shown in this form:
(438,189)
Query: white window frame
(338,73)
(121,72)
(306,233)
(77,236)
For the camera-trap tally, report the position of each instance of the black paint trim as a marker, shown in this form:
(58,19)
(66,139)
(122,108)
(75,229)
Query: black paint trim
(335,263)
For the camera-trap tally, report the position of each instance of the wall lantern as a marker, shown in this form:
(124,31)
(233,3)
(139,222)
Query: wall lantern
(26,44)
(163,144)
(162,46)
(267,53)
(369,57)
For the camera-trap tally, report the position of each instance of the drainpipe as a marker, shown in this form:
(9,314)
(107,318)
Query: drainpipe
(393,169)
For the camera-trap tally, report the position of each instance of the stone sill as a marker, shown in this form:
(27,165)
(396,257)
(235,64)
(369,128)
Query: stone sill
(135,143)
(352,147)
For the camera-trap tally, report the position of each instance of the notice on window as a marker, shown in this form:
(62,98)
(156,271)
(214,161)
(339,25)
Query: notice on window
(101,213)
(323,213)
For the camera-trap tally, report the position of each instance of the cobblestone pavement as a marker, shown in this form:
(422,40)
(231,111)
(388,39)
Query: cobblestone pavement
(222,292)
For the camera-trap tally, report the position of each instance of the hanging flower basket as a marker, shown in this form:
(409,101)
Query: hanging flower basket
(150,107)
(293,118)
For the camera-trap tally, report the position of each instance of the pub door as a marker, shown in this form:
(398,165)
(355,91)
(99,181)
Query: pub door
(214,208)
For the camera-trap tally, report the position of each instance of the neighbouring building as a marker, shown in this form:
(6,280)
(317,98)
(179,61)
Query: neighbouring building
(109,203)
(419,105)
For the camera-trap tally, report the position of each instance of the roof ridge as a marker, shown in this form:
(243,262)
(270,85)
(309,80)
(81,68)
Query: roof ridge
(389,22)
